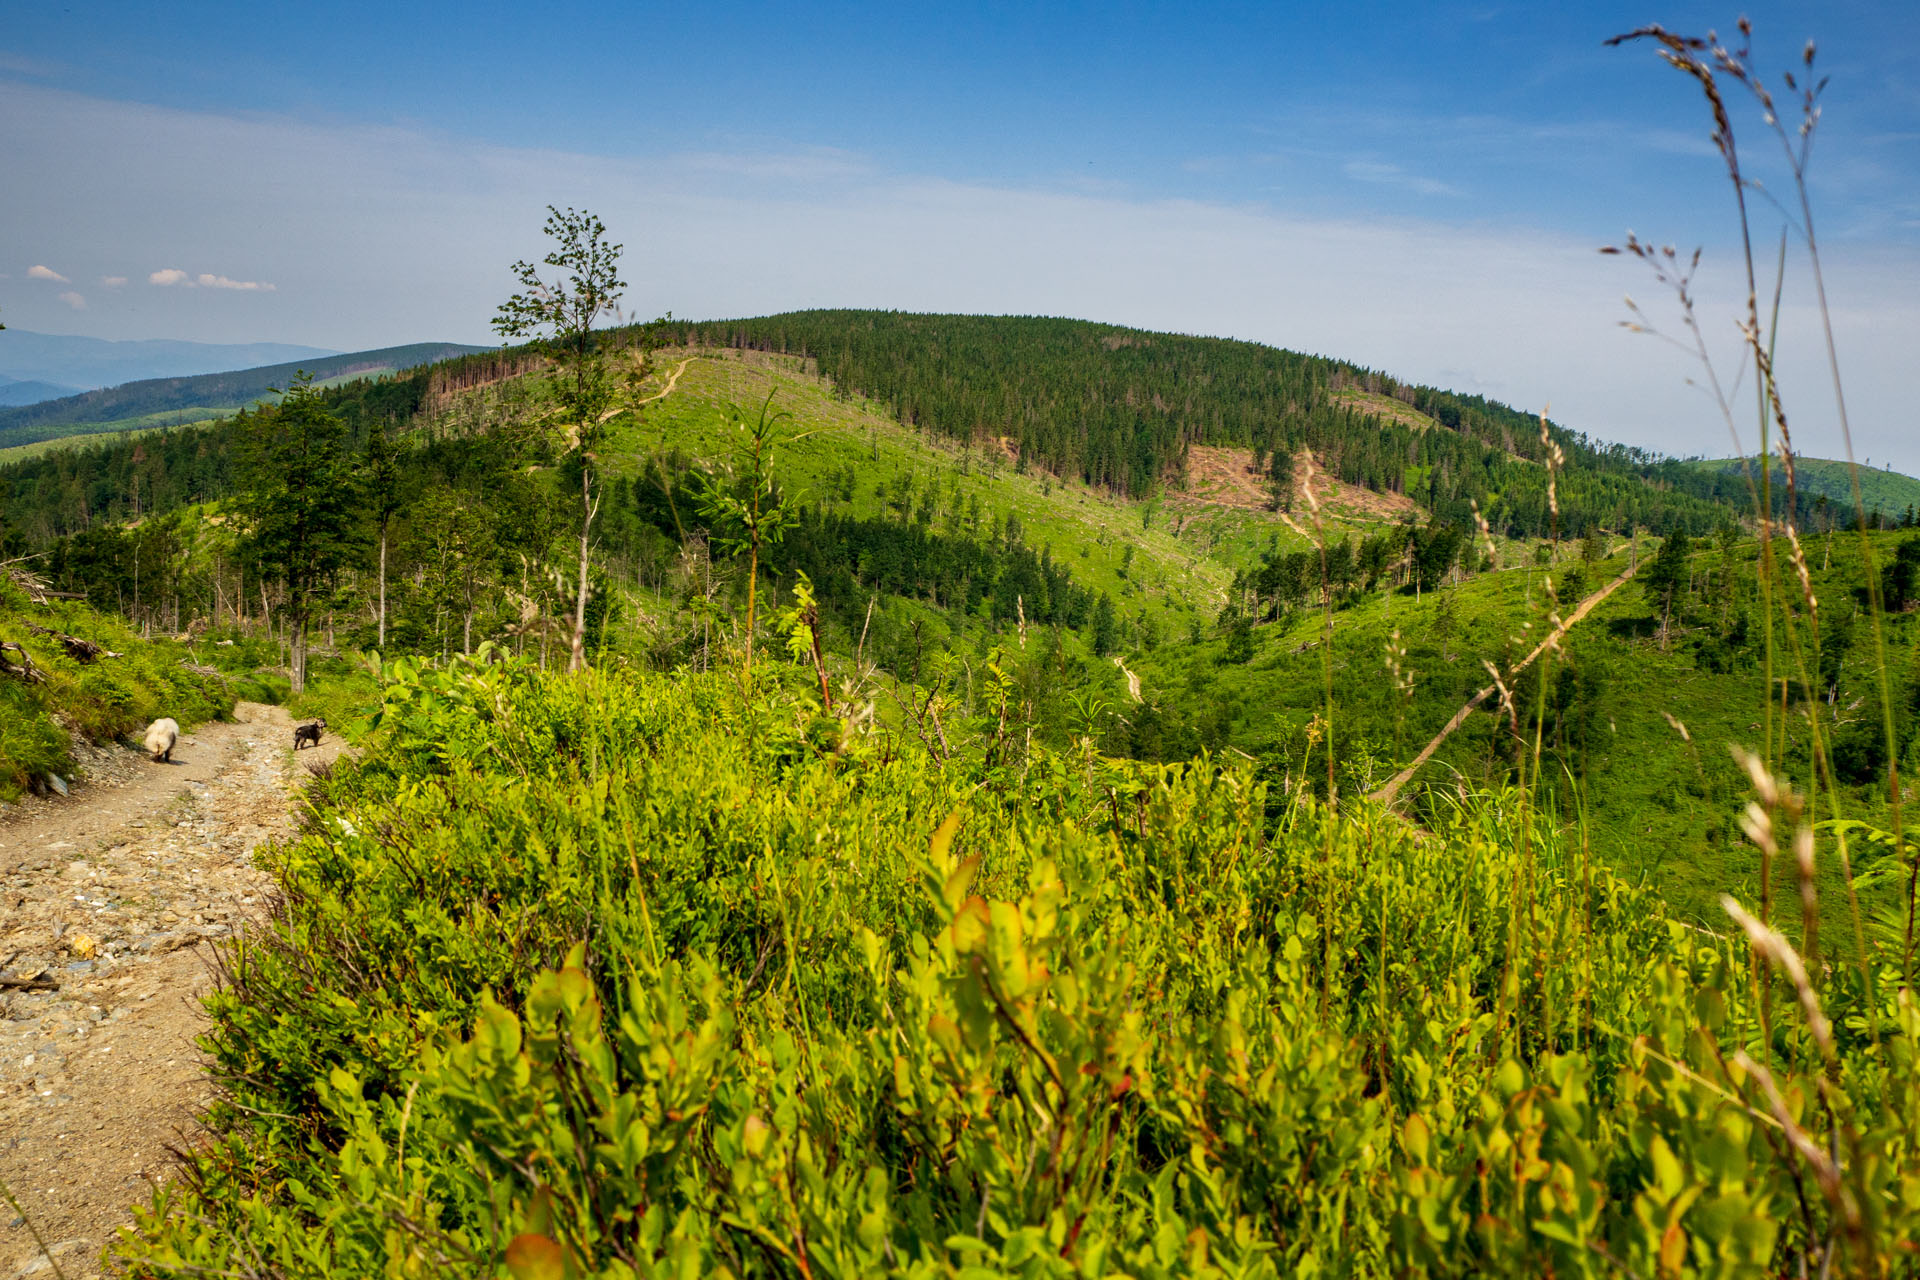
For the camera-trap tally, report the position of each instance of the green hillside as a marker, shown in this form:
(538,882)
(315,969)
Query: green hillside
(1020,906)
(926,552)
(1122,408)
(1882,491)
(200,397)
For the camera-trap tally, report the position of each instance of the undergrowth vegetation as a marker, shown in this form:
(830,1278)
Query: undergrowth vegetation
(625,975)
(49,697)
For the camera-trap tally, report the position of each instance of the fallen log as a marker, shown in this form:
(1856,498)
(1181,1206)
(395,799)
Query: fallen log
(15,661)
(1386,794)
(81,651)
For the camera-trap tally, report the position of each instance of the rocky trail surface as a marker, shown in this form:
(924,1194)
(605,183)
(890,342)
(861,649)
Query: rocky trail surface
(110,902)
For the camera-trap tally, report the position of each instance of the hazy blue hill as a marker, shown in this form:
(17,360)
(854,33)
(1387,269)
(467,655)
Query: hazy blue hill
(110,409)
(14,391)
(1883,490)
(77,363)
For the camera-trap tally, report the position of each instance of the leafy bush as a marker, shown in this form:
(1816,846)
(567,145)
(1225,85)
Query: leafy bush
(340,693)
(100,701)
(625,977)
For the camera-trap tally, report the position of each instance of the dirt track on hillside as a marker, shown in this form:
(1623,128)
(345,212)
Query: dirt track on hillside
(117,894)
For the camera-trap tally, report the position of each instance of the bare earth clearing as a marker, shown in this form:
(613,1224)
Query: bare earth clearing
(116,894)
(1219,477)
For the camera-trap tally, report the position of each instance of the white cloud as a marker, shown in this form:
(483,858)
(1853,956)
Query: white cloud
(37,272)
(74,300)
(113,282)
(206,281)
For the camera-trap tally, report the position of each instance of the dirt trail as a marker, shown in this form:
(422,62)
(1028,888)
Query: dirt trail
(673,380)
(116,893)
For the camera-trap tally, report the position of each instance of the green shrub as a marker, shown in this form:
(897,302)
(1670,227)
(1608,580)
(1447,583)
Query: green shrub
(339,693)
(101,701)
(261,686)
(618,976)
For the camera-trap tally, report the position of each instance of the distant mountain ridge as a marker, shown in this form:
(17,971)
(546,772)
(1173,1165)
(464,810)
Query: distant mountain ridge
(1884,490)
(14,391)
(79,364)
(208,395)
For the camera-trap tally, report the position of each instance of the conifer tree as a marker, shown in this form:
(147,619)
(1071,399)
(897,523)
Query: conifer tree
(298,503)
(1663,576)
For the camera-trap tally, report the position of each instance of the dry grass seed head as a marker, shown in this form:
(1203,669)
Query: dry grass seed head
(1396,666)
(1800,568)
(1486,534)
(1824,1170)
(1555,459)
(1769,943)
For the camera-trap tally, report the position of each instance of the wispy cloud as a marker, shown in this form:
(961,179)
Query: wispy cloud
(37,272)
(74,300)
(171,276)
(1392,175)
(113,282)
(206,281)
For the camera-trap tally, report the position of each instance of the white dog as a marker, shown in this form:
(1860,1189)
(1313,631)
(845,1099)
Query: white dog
(161,735)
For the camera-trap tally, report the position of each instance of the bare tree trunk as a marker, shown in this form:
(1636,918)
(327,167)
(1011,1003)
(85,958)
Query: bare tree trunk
(297,646)
(579,659)
(383,586)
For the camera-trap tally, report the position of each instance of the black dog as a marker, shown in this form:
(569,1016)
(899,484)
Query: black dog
(308,735)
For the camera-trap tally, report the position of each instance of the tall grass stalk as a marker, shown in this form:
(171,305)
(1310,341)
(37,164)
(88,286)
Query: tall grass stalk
(1709,62)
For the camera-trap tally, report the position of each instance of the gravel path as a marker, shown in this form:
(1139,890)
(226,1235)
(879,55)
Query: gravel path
(116,894)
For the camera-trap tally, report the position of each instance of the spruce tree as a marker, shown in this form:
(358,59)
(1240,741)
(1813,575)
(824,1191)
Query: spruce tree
(299,504)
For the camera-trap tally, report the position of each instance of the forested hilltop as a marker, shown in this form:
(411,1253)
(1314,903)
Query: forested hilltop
(924,554)
(1120,408)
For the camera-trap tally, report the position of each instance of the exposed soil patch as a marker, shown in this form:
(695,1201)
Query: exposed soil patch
(115,894)
(1219,477)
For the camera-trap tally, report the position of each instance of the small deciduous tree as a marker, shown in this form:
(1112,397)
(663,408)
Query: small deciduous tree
(298,503)
(560,316)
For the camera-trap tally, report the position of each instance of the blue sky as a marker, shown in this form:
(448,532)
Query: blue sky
(1416,186)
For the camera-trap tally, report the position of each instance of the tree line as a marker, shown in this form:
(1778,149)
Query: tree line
(1120,408)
